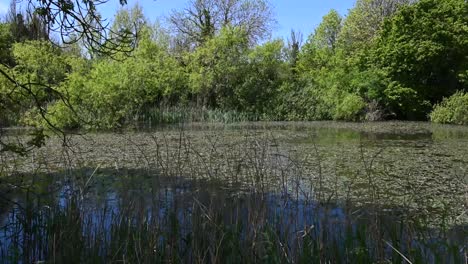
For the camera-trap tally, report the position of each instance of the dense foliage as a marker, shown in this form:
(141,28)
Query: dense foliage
(392,59)
(452,110)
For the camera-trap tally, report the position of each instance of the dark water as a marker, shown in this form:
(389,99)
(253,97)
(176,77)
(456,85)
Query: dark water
(305,193)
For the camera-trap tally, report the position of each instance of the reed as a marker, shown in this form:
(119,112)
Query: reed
(200,198)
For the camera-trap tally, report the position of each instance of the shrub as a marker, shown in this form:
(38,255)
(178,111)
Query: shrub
(300,102)
(350,109)
(405,103)
(452,110)
(62,116)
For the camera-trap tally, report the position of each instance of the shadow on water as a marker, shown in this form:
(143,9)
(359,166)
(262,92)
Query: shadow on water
(97,216)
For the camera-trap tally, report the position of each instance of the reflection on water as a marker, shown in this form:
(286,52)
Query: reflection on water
(45,224)
(243,194)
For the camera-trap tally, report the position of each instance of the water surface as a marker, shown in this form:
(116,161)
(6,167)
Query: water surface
(249,192)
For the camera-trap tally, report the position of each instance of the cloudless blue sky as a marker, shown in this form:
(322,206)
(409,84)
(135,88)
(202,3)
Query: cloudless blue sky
(301,15)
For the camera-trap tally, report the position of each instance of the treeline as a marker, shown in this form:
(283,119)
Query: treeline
(387,59)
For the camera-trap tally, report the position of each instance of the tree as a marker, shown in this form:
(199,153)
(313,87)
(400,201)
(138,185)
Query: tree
(294,47)
(71,21)
(365,20)
(216,68)
(39,69)
(202,19)
(321,45)
(26,25)
(6,42)
(338,88)
(131,22)
(326,34)
(19,27)
(112,93)
(424,48)
(267,69)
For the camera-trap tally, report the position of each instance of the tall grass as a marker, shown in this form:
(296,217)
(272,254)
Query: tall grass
(173,115)
(180,198)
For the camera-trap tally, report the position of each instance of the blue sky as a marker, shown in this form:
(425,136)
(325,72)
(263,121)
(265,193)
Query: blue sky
(3,6)
(302,15)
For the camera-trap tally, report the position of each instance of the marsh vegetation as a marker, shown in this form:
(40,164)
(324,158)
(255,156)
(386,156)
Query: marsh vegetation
(201,139)
(245,192)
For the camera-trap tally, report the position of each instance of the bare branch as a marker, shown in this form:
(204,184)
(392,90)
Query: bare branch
(203,18)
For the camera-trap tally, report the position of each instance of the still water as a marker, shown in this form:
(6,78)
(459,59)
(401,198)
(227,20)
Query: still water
(252,192)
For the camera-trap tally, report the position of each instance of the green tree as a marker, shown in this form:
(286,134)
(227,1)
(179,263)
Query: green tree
(326,73)
(217,67)
(267,69)
(364,22)
(130,22)
(423,50)
(321,45)
(71,21)
(6,42)
(41,67)
(112,93)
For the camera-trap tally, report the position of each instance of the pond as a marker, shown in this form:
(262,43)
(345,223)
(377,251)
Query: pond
(316,192)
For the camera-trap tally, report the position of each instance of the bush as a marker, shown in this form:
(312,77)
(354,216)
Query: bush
(350,109)
(452,110)
(62,116)
(301,102)
(405,103)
